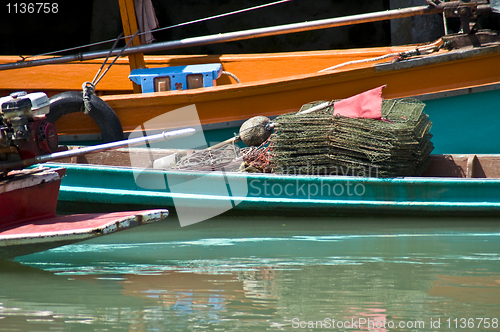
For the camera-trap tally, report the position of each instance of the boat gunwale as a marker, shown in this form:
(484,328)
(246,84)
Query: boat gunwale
(153,58)
(275,176)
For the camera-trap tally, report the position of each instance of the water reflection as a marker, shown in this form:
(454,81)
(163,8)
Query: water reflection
(165,278)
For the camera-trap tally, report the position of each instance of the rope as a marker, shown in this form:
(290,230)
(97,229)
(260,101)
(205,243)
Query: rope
(231,75)
(434,47)
(88,91)
(89,87)
(106,60)
(95,81)
(359,61)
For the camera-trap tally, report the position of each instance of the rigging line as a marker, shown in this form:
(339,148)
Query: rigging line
(221,15)
(106,60)
(161,29)
(116,58)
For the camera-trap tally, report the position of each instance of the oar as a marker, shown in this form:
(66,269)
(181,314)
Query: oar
(165,136)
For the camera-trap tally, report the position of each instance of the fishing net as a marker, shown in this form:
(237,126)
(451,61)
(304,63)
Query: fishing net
(257,159)
(227,158)
(320,143)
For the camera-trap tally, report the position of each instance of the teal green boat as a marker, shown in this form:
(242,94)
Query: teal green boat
(465,121)
(452,185)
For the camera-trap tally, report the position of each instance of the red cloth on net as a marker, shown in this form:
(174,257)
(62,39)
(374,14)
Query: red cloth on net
(367,104)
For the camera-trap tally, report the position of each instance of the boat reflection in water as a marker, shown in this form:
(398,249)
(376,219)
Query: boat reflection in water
(253,275)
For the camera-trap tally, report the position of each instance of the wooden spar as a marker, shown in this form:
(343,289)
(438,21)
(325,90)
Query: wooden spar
(247,34)
(8,166)
(129,22)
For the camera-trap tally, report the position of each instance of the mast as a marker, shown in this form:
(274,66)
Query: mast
(130,27)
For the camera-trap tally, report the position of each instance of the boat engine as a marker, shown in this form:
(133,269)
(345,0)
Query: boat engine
(24,131)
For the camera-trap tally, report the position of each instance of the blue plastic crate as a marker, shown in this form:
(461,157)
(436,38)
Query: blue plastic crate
(176,78)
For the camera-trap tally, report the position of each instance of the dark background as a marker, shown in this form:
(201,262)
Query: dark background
(83,22)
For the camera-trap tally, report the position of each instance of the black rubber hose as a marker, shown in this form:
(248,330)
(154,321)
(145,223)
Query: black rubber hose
(102,114)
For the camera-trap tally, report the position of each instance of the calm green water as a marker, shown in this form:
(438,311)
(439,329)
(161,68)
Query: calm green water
(263,275)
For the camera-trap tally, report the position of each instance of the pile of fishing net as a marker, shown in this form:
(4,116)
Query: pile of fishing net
(363,135)
(321,143)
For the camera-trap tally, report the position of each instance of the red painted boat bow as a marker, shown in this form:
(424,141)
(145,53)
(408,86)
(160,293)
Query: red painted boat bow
(29,223)
(47,233)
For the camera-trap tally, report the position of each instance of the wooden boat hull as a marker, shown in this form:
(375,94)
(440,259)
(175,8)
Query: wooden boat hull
(28,195)
(448,192)
(248,68)
(272,84)
(28,224)
(47,233)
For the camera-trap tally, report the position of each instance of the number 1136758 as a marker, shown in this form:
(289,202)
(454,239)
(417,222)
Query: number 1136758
(472,323)
(32,8)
